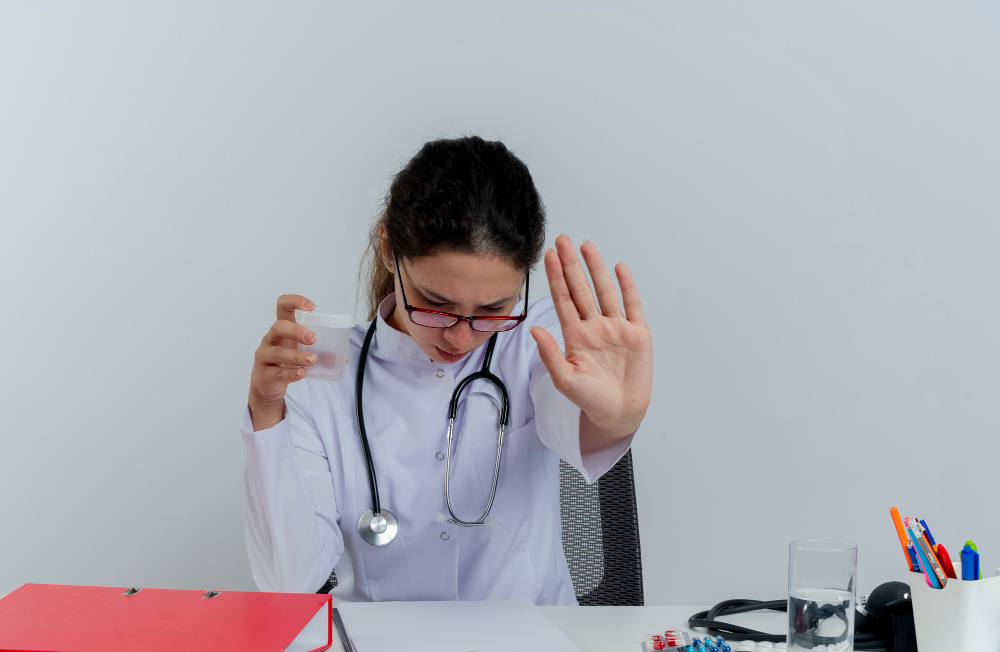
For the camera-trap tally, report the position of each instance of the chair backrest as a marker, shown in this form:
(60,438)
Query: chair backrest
(600,533)
(600,536)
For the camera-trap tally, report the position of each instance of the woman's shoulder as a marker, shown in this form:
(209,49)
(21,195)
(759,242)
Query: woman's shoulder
(542,313)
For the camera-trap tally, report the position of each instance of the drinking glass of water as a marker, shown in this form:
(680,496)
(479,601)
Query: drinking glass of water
(821,595)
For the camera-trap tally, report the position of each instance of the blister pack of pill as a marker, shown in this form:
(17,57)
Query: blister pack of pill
(679,641)
(764,646)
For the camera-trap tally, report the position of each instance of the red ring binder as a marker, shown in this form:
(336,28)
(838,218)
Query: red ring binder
(35,617)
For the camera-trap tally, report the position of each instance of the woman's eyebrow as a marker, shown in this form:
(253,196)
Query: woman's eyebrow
(441,299)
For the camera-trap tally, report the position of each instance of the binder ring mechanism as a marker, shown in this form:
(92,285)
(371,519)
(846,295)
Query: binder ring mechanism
(132,591)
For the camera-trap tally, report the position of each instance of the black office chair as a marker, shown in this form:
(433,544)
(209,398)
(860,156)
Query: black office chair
(600,534)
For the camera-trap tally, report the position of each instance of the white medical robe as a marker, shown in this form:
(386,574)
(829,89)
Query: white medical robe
(306,483)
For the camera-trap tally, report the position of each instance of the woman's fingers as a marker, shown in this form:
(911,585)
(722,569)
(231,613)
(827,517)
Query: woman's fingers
(559,368)
(282,355)
(630,295)
(278,361)
(565,308)
(282,375)
(289,303)
(604,285)
(284,329)
(576,278)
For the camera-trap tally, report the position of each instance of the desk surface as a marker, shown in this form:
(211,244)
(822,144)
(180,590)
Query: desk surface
(621,629)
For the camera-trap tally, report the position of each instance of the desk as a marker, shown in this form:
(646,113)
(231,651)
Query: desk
(621,629)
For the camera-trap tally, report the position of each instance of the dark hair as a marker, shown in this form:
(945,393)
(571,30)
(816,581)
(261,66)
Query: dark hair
(463,194)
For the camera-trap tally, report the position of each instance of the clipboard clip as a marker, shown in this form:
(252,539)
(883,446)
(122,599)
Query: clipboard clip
(210,594)
(131,591)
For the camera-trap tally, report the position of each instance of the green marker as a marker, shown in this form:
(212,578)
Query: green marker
(972,544)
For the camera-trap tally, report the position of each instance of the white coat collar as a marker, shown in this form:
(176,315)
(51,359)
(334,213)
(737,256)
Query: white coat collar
(398,342)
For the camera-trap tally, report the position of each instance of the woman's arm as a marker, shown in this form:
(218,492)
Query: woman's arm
(595,437)
(557,422)
(290,512)
(607,367)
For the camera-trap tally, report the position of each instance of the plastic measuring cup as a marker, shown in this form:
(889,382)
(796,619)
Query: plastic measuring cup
(333,338)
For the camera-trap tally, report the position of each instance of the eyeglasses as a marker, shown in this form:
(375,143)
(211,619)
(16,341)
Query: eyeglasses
(438,319)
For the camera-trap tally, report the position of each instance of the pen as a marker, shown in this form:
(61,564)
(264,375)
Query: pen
(970,564)
(931,552)
(927,531)
(930,537)
(925,565)
(972,545)
(912,552)
(918,525)
(926,555)
(903,541)
(945,559)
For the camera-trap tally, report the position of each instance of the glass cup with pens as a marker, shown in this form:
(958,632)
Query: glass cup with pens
(821,595)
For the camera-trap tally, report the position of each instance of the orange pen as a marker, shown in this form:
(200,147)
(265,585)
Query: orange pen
(903,539)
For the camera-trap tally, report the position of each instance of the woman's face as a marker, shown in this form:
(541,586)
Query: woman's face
(460,283)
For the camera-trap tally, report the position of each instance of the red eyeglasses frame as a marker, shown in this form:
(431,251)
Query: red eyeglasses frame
(412,309)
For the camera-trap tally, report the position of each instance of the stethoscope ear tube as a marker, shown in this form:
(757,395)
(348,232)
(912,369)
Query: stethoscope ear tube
(484,374)
(504,405)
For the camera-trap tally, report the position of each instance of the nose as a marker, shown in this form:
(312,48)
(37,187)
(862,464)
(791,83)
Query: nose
(459,335)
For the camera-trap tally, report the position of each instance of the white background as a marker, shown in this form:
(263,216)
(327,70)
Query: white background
(806,193)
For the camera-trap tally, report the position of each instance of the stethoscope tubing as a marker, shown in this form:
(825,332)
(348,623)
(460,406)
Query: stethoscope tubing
(359,385)
(483,374)
(447,476)
(707,620)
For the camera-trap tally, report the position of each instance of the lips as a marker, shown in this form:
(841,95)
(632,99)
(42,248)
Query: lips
(451,357)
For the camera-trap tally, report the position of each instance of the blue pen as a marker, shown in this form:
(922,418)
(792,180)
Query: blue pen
(927,530)
(970,564)
(913,556)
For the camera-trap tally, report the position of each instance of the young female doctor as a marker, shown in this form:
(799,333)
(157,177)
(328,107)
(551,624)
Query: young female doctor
(398,488)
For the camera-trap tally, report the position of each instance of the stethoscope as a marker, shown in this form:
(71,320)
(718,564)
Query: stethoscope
(707,619)
(378,526)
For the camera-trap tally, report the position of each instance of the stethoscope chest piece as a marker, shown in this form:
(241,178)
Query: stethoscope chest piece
(378,530)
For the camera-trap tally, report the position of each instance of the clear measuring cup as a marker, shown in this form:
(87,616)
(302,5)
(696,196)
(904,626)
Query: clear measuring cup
(333,338)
